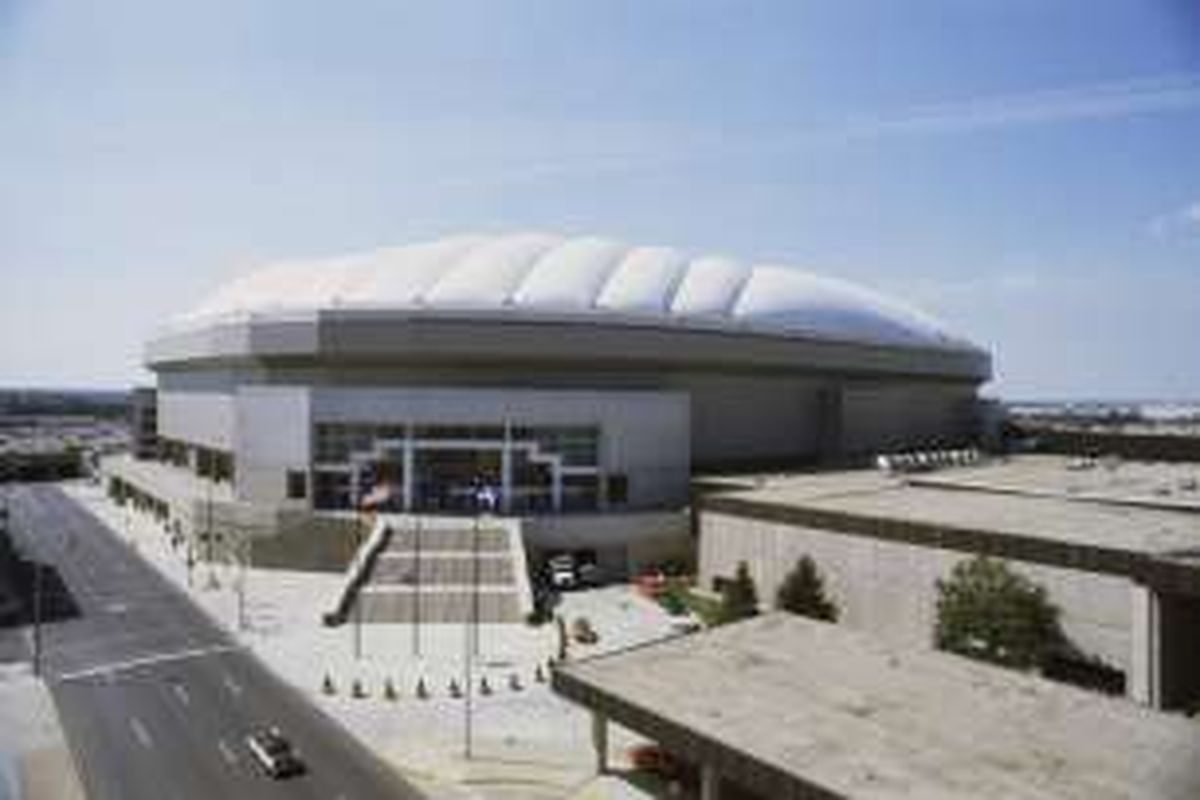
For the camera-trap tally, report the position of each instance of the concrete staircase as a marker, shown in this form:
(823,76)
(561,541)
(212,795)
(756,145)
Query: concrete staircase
(438,570)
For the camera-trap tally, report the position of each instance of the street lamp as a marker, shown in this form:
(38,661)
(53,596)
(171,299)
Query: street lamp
(416,596)
(484,498)
(244,555)
(208,533)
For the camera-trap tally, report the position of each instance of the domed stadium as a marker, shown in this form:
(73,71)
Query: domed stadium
(572,377)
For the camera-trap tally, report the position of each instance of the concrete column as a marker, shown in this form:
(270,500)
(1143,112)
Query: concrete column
(556,484)
(1145,674)
(710,783)
(409,479)
(600,741)
(506,477)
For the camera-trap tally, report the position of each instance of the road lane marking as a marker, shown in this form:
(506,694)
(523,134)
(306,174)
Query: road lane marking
(226,752)
(182,693)
(143,661)
(232,685)
(140,733)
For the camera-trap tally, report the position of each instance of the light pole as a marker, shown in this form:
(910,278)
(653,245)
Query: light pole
(208,533)
(484,498)
(242,552)
(358,589)
(244,564)
(37,616)
(416,604)
(356,499)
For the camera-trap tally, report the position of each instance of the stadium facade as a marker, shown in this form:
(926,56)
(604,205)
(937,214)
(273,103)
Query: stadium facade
(576,377)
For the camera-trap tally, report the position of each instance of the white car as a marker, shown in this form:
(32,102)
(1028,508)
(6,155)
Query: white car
(562,571)
(274,753)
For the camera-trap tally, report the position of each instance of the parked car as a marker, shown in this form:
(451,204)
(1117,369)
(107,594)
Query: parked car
(590,574)
(274,753)
(562,571)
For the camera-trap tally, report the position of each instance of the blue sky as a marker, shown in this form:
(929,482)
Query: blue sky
(1027,170)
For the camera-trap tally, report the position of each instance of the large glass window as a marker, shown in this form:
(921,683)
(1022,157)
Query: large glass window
(448,479)
(580,493)
(491,433)
(578,446)
(452,460)
(331,489)
(532,485)
(335,443)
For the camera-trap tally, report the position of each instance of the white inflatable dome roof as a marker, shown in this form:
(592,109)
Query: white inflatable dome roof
(542,275)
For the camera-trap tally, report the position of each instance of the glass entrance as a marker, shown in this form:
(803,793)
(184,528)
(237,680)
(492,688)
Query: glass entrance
(447,479)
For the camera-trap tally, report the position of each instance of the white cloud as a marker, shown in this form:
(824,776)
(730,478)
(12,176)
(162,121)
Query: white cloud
(1092,101)
(1087,102)
(1182,222)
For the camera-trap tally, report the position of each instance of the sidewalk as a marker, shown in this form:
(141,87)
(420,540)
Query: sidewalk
(527,742)
(35,763)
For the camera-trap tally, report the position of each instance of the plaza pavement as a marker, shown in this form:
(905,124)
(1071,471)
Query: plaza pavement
(527,743)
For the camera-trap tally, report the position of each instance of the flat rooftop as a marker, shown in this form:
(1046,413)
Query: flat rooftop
(1167,486)
(787,705)
(170,483)
(1033,498)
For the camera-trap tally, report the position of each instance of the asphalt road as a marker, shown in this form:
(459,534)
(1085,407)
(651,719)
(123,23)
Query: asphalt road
(155,699)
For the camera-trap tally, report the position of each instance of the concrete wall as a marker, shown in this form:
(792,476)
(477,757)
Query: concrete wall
(885,417)
(739,417)
(269,428)
(623,542)
(753,418)
(273,436)
(889,588)
(203,418)
(1179,651)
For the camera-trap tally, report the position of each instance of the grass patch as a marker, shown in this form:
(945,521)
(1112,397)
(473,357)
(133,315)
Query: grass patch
(707,608)
(678,598)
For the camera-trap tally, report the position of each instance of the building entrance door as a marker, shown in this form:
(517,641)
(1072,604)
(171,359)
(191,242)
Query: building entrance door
(446,479)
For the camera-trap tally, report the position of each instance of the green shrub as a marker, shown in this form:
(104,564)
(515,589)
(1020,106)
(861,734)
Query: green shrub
(739,597)
(674,600)
(987,611)
(803,592)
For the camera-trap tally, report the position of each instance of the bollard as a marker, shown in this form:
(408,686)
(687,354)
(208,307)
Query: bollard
(327,685)
(389,690)
(357,690)
(514,682)
(422,690)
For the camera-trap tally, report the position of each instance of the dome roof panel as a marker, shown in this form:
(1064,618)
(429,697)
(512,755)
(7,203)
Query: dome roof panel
(537,273)
(401,276)
(489,275)
(710,287)
(643,281)
(801,301)
(569,276)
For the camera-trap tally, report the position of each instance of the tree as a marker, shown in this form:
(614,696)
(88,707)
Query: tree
(803,592)
(987,611)
(739,597)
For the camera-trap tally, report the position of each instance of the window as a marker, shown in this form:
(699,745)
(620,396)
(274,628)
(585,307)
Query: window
(331,489)
(297,484)
(618,489)
(577,445)
(579,492)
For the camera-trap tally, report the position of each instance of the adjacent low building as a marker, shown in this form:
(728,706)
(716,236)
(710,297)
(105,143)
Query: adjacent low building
(1116,546)
(783,707)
